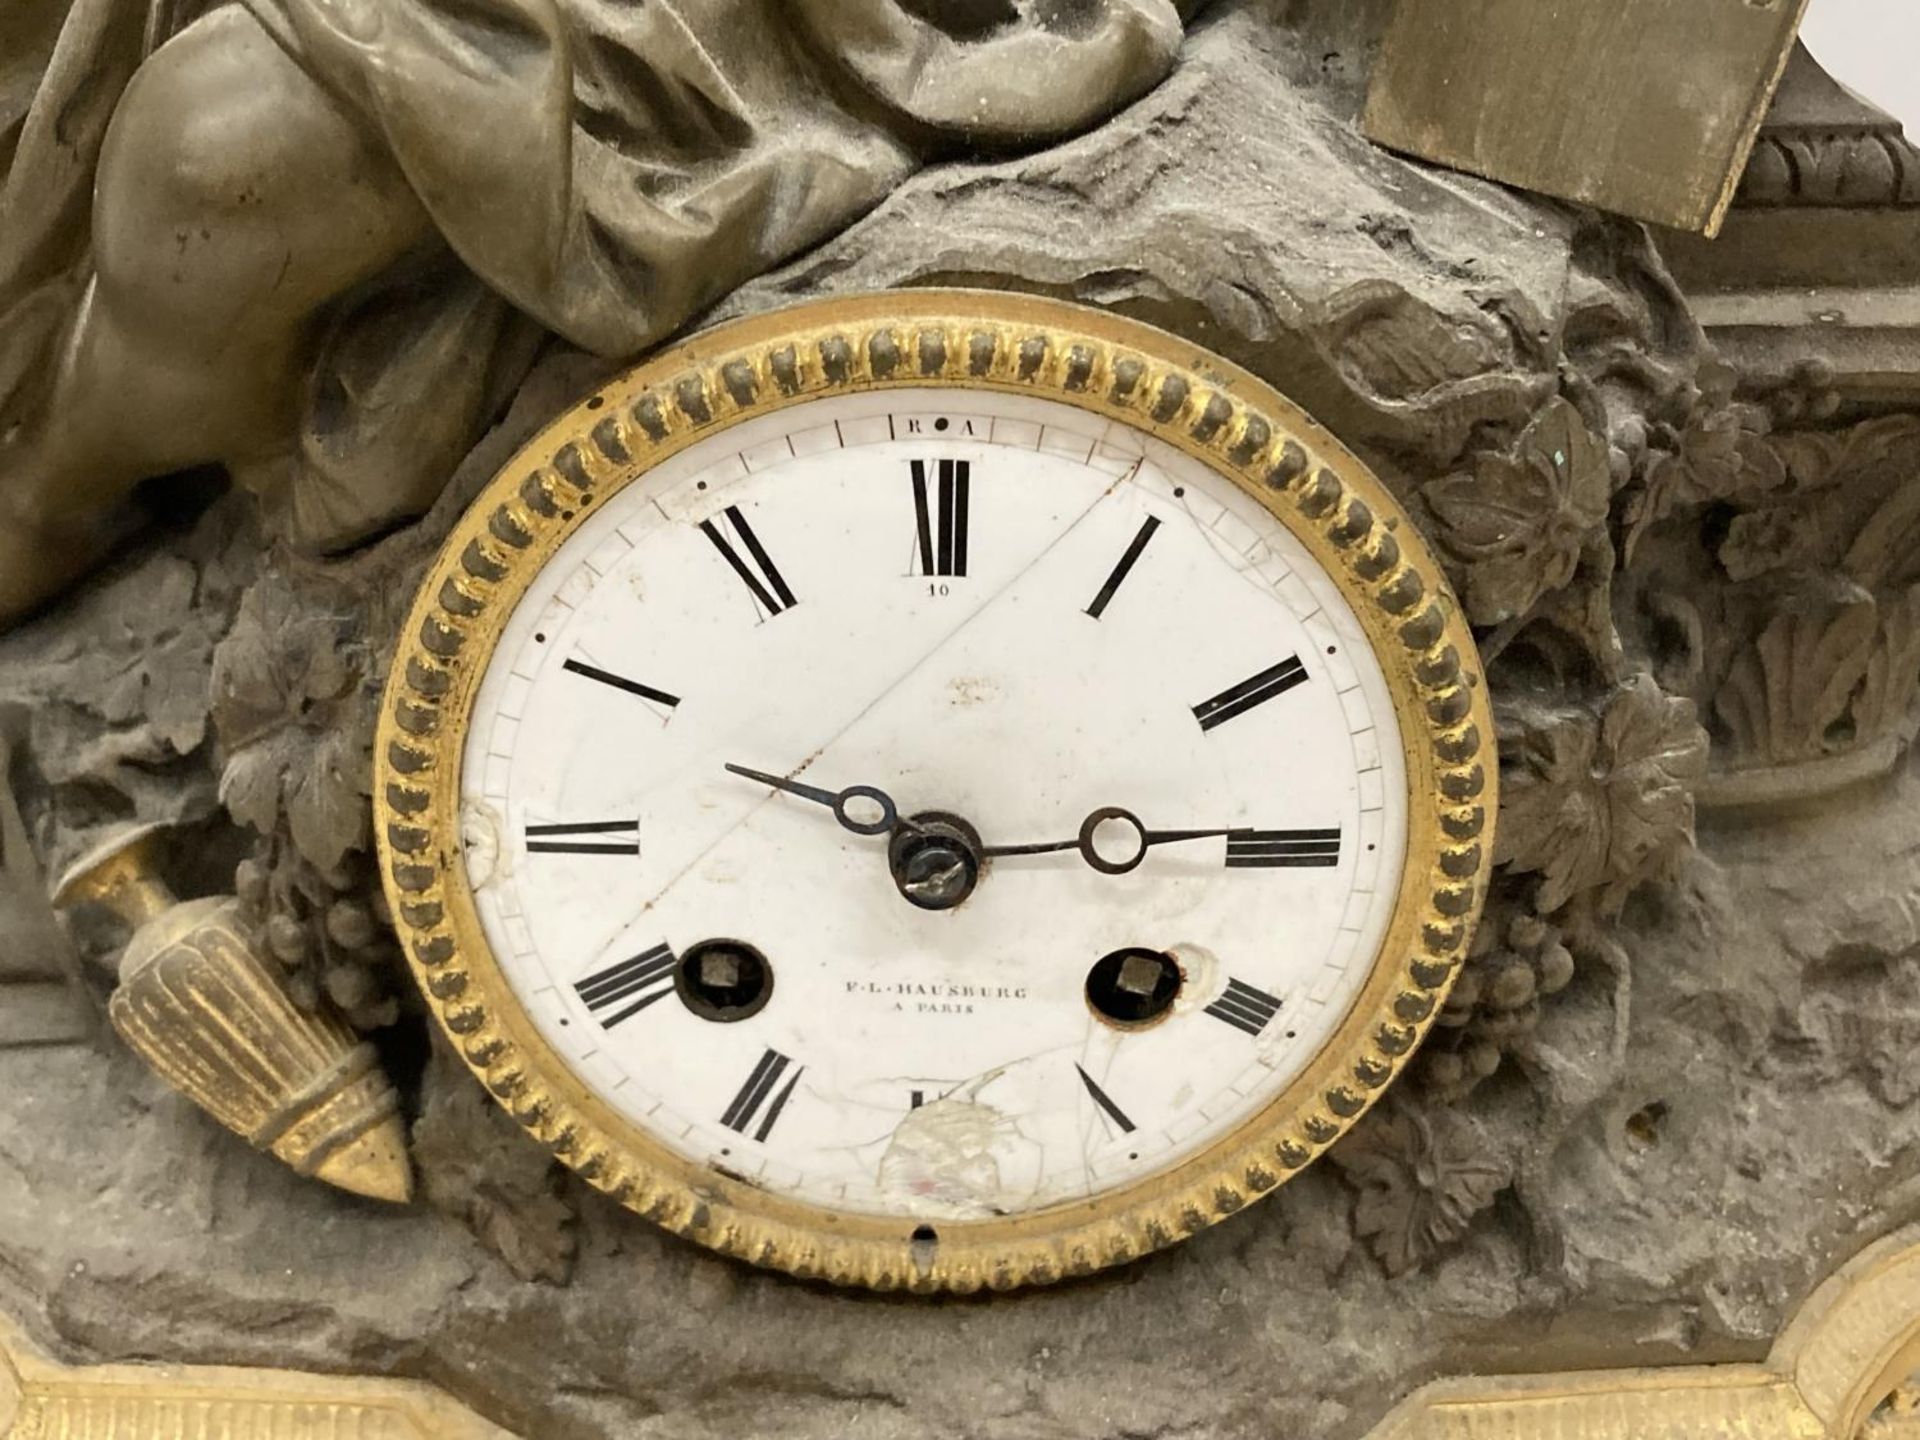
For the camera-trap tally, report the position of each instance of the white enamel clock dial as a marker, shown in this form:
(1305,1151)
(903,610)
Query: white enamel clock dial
(1006,615)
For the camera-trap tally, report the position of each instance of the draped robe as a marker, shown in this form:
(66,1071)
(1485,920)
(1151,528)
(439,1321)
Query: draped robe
(602,170)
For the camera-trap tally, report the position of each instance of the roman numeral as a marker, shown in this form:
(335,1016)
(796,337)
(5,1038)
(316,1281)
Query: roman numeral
(1249,693)
(1125,567)
(620,682)
(609,845)
(942,520)
(746,1105)
(1105,1102)
(1244,1007)
(645,978)
(1283,848)
(770,591)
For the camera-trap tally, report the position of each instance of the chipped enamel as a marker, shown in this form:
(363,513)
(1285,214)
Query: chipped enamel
(994,695)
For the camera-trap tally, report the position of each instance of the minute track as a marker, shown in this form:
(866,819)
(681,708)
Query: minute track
(658,608)
(879,681)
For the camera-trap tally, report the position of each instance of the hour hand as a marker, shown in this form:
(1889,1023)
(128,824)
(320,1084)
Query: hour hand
(1111,840)
(839,801)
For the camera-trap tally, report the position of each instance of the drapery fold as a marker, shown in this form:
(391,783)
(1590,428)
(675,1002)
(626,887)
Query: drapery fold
(602,169)
(613,166)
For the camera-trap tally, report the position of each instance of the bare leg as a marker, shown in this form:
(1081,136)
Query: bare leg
(235,197)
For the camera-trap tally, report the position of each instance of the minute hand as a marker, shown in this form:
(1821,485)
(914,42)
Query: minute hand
(1118,860)
(835,800)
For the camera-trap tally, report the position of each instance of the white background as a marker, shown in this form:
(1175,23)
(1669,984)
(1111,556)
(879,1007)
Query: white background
(1872,47)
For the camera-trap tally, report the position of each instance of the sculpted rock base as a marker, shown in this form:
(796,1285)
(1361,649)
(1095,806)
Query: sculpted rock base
(1675,1094)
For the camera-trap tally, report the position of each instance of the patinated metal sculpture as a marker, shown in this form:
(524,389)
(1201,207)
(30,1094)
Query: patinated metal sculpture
(1669,1100)
(189,200)
(1643,108)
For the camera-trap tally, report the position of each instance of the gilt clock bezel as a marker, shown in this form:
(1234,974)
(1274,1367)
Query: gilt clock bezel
(1113,368)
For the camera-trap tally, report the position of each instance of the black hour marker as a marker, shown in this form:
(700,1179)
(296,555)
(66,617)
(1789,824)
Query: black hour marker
(645,978)
(1127,562)
(919,1099)
(769,589)
(1244,1007)
(1289,848)
(942,520)
(613,842)
(620,682)
(746,1105)
(1249,693)
(1100,1098)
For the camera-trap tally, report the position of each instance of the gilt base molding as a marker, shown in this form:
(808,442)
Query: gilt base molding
(42,1400)
(1853,1342)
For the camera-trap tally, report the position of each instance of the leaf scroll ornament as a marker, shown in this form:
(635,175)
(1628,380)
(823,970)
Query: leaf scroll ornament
(1519,522)
(1421,1181)
(1787,696)
(294,711)
(1599,802)
(1725,452)
(477,1166)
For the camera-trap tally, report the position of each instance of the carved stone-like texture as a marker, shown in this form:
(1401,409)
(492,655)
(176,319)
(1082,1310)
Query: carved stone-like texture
(1681,1087)
(1690,1151)
(113,699)
(476,1165)
(1239,205)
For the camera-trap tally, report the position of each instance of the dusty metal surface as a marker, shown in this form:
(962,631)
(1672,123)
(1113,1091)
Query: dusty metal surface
(1645,107)
(1638,1137)
(1834,1374)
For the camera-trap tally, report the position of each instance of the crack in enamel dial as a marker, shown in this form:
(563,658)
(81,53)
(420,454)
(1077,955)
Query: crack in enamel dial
(929,792)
